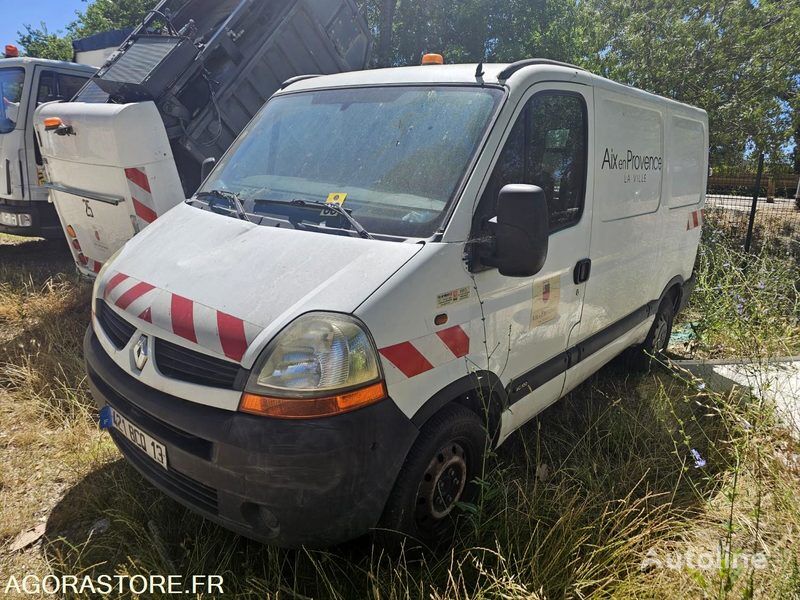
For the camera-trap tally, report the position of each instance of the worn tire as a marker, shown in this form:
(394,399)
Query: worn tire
(445,458)
(653,349)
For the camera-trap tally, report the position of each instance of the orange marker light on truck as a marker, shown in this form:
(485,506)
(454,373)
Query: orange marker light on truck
(51,123)
(11,51)
(310,408)
(432,59)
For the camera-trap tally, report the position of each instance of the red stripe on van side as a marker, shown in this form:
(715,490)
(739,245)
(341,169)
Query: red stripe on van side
(406,358)
(133,294)
(114,282)
(183,318)
(138,177)
(231,335)
(456,339)
(695,218)
(144,212)
(147,315)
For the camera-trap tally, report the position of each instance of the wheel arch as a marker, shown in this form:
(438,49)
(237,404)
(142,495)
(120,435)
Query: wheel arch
(477,391)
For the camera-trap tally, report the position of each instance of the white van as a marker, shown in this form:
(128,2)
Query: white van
(25,84)
(385,270)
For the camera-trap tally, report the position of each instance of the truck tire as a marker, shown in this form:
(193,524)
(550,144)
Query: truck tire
(653,349)
(438,473)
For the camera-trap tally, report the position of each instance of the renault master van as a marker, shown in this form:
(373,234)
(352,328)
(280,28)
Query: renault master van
(386,273)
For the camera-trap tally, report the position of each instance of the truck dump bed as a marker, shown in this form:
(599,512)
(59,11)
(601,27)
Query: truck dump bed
(209,65)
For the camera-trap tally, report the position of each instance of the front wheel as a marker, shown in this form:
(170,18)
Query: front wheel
(437,476)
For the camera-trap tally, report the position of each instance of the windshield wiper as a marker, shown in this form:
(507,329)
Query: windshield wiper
(232,197)
(337,208)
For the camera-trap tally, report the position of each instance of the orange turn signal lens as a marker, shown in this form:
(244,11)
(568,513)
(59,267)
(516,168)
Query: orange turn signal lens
(310,408)
(432,59)
(52,123)
(71,231)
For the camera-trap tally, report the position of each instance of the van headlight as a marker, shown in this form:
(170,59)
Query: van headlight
(320,365)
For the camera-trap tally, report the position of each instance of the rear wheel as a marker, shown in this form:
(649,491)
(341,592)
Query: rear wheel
(437,475)
(654,347)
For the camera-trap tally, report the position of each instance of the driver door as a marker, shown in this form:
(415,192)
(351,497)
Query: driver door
(529,320)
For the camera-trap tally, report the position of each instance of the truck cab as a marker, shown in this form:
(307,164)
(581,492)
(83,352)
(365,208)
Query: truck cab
(25,84)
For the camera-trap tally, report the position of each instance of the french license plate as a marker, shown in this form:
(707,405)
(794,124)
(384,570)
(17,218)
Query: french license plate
(140,439)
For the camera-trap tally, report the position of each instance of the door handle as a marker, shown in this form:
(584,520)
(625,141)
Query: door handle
(582,271)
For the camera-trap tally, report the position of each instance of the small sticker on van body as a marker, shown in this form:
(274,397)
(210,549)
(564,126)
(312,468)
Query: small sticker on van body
(546,298)
(453,296)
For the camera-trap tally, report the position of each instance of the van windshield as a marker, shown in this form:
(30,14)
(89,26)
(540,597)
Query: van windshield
(11,81)
(393,156)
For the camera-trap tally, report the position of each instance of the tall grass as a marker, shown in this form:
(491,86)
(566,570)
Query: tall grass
(577,504)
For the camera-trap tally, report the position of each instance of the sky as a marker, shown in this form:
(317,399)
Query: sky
(57,14)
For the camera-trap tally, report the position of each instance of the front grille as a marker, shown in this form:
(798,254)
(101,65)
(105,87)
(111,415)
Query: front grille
(181,363)
(193,493)
(118,330)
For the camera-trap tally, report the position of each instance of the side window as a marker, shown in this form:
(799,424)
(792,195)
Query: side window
(546,147)
(69,85)
(47,87)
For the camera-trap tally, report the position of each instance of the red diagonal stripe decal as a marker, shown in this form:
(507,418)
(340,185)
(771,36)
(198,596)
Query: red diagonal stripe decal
(231,335)
(147,315)
(114,282)
(694,218)
(407,358)
(133,294)
(144,212)
(456,339)
(138,177)
(183,318)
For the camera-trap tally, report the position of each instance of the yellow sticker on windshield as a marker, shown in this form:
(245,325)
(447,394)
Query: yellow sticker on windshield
(336,198)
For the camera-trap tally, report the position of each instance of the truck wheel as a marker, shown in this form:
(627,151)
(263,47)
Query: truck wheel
(640,358)
(437,475)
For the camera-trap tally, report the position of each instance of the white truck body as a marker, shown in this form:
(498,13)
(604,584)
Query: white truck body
(120,170)
(25,84)
(624,173)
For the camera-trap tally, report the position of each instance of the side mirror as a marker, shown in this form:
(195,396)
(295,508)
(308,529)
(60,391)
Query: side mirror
(207,167)
(521,231)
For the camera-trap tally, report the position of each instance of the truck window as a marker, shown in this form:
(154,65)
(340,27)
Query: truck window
(396,155)
(47,87)
(11,82)
(546,147)
(69,85)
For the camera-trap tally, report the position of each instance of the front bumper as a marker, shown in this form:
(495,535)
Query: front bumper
(289,483)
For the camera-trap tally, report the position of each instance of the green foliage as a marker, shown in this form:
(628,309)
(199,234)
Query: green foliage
(100,15)
(41,43)
(737,59)
(103,15)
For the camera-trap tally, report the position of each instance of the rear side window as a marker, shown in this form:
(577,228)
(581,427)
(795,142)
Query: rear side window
(547,148)
(69,85)
(47,88)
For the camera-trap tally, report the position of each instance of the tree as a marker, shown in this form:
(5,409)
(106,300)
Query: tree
(737,59)
(43,44)
(100,15)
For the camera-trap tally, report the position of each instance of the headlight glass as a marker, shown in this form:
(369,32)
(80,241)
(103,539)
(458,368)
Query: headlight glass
(319,352)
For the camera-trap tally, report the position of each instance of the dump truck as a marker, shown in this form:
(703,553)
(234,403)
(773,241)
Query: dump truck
(133,142)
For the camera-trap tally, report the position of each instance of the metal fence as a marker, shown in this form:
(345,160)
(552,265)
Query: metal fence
(753,209)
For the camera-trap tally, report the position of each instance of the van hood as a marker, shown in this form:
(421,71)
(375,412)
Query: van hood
(228,286)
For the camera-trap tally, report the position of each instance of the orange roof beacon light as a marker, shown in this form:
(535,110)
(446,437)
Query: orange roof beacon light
(11,51)
(432,59)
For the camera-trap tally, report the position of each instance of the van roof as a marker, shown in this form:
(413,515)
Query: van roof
(23,61)
(493,74)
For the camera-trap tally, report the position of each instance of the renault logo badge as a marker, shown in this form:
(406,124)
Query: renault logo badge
(140,352)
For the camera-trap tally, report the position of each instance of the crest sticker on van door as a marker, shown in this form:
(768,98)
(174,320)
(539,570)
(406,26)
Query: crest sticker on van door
(546,298)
